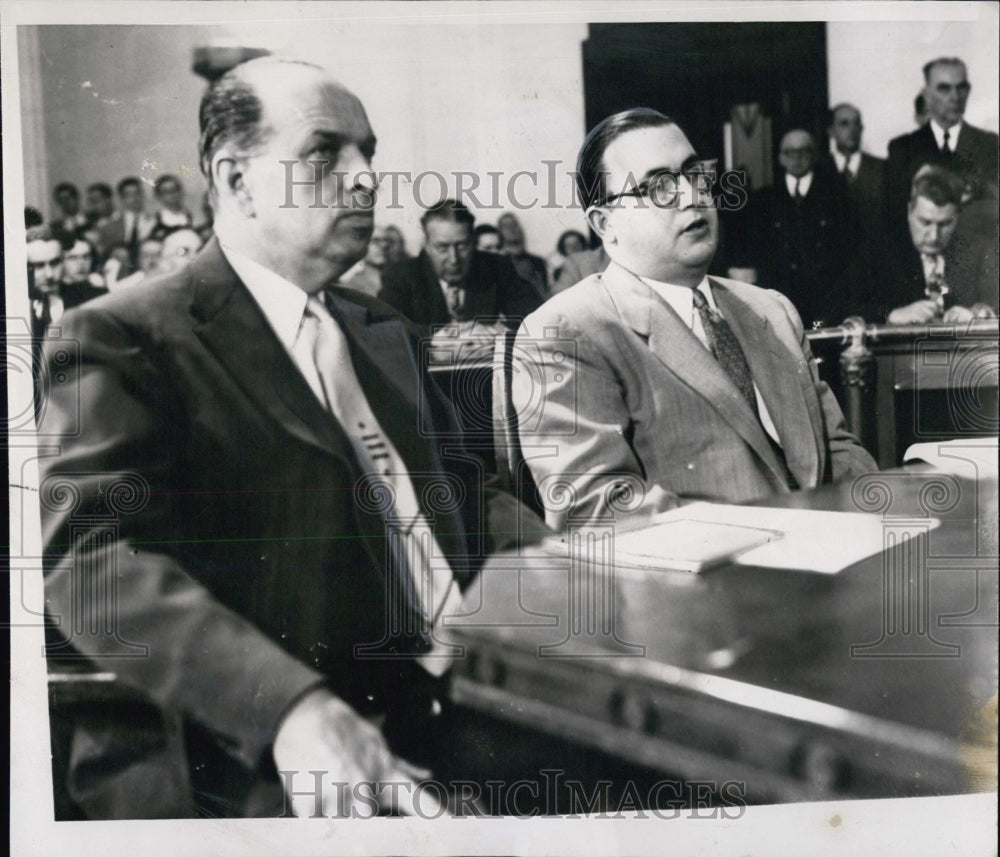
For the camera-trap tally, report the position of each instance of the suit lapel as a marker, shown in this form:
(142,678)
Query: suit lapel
(233,328)
(779,377)
(437,308)
(676,347)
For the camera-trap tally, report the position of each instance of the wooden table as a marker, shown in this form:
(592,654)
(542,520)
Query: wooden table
(879,681)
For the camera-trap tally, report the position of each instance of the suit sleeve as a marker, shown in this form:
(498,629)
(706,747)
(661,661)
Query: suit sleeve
(575,428)
(847,457)
(397,290)
(113,524)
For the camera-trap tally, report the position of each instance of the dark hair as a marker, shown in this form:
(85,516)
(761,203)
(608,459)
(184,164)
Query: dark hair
(929,67)
(165,179)
(919,105)
(486,229)
(32,217)
(68,187)
(940,186)
(570,233)
(101,188)
(128,181)
(230,112)
(590,173)
(450,211)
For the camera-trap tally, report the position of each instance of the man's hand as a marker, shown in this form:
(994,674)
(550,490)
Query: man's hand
(956,314)
(919,312)
(322,733)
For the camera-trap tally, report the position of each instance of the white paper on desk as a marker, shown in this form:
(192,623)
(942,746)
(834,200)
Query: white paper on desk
(969,457)
(824,542)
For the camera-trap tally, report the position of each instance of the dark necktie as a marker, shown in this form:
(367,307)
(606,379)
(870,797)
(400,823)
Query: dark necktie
(724,345)
(726,348)
(945,147)
(455,296)
(846,172)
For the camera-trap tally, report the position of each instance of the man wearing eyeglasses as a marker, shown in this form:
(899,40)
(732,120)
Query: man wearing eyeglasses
(654,383)
(947,140)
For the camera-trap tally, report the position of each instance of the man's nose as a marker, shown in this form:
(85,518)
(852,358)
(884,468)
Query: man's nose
(452,255)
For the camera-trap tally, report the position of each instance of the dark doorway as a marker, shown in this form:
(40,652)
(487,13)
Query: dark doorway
(696,73)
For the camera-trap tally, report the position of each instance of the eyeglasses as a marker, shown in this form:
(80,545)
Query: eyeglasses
(663,189)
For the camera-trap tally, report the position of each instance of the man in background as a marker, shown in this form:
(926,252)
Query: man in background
(864,178)
(797,234)
(170,213)
(131,224)
(948,141)
(450,281)
(80,283)
(940,274)
(71,223)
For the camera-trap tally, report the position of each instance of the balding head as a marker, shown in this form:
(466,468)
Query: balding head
(797,153)
(287,151)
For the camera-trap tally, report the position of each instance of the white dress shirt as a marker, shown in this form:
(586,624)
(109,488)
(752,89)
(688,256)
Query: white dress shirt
(853,160)
(680,301)
(953,133)
(804,183)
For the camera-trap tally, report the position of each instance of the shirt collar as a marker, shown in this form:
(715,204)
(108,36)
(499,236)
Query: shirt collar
(679,297)
(953,133)
(804,183)
(282,302)
(853,160)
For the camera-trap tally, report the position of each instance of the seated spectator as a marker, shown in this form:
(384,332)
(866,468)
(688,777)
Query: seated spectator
(530,268)
(99,205)
(942,273)
(395,246)
(45,273)
(80,283)
(34,223)
(179,247)
(171,213)
(450,281)
(571,241)
(128,226)
(579,266)
(150,257)
(366,276)
(488,239)
(71,222)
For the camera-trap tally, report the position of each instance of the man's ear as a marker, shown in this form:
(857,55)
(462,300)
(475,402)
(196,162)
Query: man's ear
(597,219)
(229,178)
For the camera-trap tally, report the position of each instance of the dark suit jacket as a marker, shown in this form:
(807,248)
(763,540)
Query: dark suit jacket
(492,287)
(974,161)
(802,249)
(642,410)
(971,272)
(243,569)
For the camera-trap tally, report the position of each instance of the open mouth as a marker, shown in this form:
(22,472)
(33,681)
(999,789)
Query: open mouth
(695,226)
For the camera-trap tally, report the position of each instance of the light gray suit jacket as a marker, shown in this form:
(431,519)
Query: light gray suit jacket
(623,409)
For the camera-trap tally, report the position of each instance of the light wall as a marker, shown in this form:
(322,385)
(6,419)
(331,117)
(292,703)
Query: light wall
(877,66)
(469,95)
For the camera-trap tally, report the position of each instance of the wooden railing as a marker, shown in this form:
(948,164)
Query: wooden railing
(900,384)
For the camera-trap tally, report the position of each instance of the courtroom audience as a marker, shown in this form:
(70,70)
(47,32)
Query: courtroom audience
(395,247)
(131,224)
(99,205)
(366,275)
(940,274)
(529,267)
(171,213)
(579,266)
(70,222)
(451,281)
(571,241)
(80,281)
(488,238)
